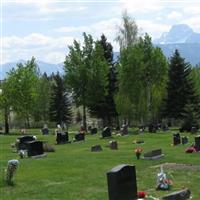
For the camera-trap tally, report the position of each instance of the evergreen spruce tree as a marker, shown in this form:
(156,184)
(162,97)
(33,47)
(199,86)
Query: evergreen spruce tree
(106,109)
(60,109)
(180,89)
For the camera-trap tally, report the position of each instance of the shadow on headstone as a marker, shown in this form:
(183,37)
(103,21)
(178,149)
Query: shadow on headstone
(122,184)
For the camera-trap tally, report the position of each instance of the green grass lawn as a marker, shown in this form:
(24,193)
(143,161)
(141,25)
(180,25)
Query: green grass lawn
(75,173)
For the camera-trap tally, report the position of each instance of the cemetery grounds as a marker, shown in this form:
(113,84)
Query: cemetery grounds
(73,172)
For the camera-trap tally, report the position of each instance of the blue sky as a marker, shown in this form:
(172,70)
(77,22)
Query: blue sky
(45,28)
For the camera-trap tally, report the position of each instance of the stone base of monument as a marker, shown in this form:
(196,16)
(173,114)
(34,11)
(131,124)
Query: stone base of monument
(179,195)
(39,156)
(154,157)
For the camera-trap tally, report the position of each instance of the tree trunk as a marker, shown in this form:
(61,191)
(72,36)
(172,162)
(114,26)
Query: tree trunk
(6,116)
(148,103)
(84,118)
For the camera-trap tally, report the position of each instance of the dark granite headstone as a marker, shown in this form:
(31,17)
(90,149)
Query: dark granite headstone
(96,148)
(197,143)
(45,131)
(184,140)
(152,128)
(106,132)
(156,152)
(124,130)
(93,131)
(35,148)
(79,137)
(122,184)
(62,138)
(179,195)
(113,145)
(176,138)
(21,141)
(194,129)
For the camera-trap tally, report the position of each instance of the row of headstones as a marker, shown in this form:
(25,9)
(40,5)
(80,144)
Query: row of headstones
(122,185)
(177,140)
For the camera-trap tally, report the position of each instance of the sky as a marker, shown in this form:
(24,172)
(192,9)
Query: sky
(45,28)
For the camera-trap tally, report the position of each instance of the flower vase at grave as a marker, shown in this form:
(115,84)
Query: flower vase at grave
(138,155)
(138,152)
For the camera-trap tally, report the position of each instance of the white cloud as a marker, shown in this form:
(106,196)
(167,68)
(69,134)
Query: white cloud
(141,6)
(153,29)
(174,15)
(192,10)
(49,49)
(193,22)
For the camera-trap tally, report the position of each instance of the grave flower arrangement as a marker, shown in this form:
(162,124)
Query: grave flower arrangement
(138,152)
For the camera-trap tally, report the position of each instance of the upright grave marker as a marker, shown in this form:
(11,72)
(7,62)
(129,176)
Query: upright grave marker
(122,184)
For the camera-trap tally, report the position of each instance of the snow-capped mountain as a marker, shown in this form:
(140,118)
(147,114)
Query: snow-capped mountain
(183,38)
(180,33)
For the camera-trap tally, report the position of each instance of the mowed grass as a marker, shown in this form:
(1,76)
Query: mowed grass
(75,173)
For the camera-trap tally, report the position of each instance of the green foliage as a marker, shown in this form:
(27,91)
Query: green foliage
(180,89)
(104,107)
(142,78)
(60,109)
(42,102)
(128,32)
(20,89)
(195,76)
(86,73)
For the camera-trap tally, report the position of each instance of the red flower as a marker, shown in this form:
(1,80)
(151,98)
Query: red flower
(141,194)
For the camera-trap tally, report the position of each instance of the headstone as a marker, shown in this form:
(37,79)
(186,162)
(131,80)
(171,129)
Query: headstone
(113,145)
(184,140)
(45,131)
(153,155)
(79,137)
(62,138)
(35,148)
(106,132)
(179,195)
(152,128)
(194,129)
(164,127)
(197,143)
(124,129)
(176,138)
(93,131)
(96,148)
(21,142)
(122,184)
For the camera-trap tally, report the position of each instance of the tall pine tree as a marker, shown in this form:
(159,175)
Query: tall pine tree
(180,89)
(106,108)
(60,110)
